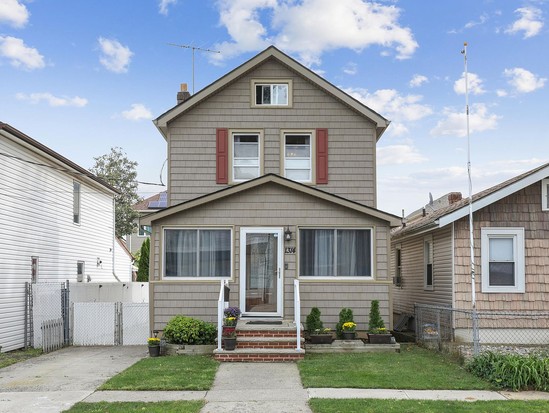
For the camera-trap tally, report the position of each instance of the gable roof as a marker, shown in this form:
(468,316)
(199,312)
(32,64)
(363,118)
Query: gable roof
(65,164)
(444,216)
(244,186)
(147,204)
(270,53)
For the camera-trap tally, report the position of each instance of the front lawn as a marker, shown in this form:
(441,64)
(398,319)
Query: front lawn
(412,368)
(134,407)
(424,406)
(166,373)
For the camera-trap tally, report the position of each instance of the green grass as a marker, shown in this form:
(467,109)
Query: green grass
(131,407)
(424,406)
(15,356)
(412,368)
(166,373)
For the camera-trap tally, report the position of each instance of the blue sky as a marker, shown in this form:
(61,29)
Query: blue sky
(84,76)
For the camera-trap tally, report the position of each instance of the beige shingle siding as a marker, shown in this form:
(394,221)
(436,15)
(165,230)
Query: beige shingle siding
(277,206)
(412,290)
(351,137)
(521,209)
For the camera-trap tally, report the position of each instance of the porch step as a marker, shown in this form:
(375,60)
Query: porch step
(264,341)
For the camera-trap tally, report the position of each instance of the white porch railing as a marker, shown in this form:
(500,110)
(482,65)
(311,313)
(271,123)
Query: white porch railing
(297,313)
(220,310)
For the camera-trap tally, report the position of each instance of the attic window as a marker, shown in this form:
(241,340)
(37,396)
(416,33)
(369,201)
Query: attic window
(269,93)
(545,194)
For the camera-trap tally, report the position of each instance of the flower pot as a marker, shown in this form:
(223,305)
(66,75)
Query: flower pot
(379,338)
(229,343)
(348,335)
(320,338)
(228,330)
(154,351)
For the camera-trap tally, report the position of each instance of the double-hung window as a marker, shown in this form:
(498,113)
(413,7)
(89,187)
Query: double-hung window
(428,263)
(76,202)
(246,162)
(298,156)
(545,194)
(335,253)
(502,251)
(197,253)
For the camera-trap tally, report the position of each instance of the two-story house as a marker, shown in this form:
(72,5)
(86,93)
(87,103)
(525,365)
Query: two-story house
(272,178)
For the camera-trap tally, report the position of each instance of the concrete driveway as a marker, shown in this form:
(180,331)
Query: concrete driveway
(54,382)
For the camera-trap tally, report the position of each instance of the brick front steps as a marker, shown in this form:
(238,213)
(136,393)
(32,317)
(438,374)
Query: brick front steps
(264,343)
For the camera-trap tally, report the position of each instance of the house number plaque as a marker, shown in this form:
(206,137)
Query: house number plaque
(289,250)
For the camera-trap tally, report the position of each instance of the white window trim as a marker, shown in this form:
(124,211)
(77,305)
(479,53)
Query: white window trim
(428,240)
(196,279)
(544,194)
(518,249)
(312,134)
(335,278)
(233,132)
(272,81)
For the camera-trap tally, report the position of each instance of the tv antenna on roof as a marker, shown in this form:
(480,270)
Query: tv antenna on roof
(193,48)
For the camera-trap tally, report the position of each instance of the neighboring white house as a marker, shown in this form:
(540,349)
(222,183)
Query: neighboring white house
(57,224)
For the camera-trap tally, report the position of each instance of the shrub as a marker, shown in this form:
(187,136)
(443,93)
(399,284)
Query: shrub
(375,322)
(187,330)
(345,316)
(313,321)
(143,263)
(512,371)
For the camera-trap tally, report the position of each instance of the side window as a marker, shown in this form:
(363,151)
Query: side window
(76,202)
(144,230)
(428,263)
(298,156)
(545,194)
(80,271)
(398,266)
(246,156)
(34,269)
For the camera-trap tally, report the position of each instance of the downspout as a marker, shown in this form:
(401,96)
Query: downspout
(114,238)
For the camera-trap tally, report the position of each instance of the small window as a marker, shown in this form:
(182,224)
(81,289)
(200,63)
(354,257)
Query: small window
(428,262)
(502,251)
(297,156)
(144,230)
(80,271)
(34,269)
(545,194)
(335,253)
(197,253)
(398,267)
(271,93)
(246,157)
(76,202)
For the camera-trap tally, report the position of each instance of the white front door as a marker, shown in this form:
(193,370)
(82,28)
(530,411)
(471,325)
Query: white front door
(261,275)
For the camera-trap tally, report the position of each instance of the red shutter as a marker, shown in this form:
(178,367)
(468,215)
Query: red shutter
(222,156)
(322,156)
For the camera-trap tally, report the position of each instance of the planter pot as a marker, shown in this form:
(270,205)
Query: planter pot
(348,335)
(228,330)
(321,338)
(379,338)
(229,343)
(154,351)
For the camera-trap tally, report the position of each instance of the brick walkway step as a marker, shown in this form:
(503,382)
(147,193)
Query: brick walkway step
(259,355)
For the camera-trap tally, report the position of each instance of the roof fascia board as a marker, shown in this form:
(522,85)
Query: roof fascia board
(494,197)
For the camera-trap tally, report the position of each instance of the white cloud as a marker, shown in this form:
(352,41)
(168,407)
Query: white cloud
(14,13)
(474,83)
(163,6)
(501,93)
(418,80)
(530,22)
(398,155)
(481,20)
(52,100)
(301,27)
(455,123)
(523,81)
(137,112)
(116,57)
(350,69)
(19,54)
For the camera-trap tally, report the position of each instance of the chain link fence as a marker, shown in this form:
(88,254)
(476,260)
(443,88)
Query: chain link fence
(467,333)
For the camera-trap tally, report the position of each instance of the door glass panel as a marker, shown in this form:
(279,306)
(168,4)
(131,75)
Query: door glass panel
(261,273)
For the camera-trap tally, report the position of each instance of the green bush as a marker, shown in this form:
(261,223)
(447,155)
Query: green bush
(313,321)
(375,322)
(187,330)
(345,315)
(512,371)
(143,263)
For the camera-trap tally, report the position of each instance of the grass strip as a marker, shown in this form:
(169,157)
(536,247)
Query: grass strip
(16,356)
(166,373)
(186,406)
(424,406)
(412,368)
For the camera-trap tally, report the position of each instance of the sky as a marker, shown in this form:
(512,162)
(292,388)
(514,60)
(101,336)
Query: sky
(84,76)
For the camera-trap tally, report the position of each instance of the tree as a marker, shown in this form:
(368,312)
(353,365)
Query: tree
(143,263)
(117,170)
